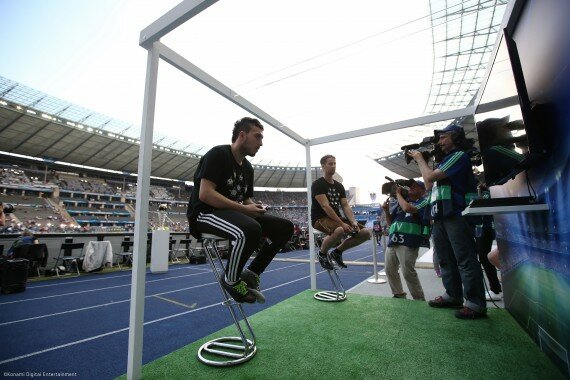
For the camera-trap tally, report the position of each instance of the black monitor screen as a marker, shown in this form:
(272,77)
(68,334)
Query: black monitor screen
(502,134)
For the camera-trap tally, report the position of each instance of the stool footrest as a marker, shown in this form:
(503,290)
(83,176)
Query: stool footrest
(330,296)
(230,302)
(218,353)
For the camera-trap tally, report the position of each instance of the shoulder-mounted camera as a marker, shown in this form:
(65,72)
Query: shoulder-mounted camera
(389,188)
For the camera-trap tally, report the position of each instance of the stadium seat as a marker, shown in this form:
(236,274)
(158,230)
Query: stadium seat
(184,247)
(125,255)
(172,252)
(65,261)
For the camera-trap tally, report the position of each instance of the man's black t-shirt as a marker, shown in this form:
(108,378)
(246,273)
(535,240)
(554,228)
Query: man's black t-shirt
(334,192)
(232,180)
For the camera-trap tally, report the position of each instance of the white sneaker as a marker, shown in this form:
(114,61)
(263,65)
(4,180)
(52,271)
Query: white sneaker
(492,296)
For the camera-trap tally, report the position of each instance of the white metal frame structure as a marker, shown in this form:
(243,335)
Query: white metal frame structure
(150,40)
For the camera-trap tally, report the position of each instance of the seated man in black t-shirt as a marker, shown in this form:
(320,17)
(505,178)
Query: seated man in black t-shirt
(221,204)
(328,196)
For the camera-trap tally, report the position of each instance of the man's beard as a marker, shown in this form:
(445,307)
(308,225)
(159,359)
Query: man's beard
(251,153)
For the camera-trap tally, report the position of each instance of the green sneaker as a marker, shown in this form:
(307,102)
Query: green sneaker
(252,281)
(238,291)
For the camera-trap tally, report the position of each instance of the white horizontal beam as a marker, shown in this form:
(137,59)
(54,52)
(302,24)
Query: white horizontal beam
(497,104)
(448,115)
(207,80)
(172,20)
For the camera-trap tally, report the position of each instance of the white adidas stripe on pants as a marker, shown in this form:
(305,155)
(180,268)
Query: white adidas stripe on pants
(239,243)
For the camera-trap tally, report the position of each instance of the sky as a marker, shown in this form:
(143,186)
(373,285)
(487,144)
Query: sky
(320,67)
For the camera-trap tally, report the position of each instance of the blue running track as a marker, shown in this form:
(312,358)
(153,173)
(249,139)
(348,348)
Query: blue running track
(80,325)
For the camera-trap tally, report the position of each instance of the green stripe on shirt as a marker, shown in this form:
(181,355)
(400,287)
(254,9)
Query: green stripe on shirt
(508,152)
(423,203)
(446,165)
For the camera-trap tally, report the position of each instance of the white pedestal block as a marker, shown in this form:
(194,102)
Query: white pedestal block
(159,253)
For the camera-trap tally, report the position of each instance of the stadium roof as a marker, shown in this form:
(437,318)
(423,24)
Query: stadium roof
(464,33)
(38,125)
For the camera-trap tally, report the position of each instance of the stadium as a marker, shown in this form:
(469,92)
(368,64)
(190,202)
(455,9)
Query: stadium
(80,180)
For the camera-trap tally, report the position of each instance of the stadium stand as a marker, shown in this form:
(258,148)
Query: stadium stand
(77,199)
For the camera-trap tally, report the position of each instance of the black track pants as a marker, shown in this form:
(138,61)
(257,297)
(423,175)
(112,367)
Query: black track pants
(244,234)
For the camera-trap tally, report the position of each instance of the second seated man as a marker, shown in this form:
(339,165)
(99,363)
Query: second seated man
(328,196)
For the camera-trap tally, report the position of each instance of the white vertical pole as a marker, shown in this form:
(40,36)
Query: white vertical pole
(312,268)
(375,256)
(136,319)
(375,280)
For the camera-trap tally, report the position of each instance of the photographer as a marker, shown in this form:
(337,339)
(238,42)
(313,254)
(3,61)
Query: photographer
(453,237)
(407,235)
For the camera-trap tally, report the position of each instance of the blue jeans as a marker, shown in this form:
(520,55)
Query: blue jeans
(457,254)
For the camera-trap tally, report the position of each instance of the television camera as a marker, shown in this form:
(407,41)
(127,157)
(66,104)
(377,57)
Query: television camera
(389,188)
(429,148)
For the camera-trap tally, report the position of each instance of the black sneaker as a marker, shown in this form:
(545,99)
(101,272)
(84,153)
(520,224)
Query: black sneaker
(324,261)
(467,313)
(252,281)
(440,302)
(238,291)
(336,255)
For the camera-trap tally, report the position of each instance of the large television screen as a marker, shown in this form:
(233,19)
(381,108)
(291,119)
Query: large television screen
(527,65)
(502,135)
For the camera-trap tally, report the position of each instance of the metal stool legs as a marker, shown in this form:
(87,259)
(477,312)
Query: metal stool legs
(337,295)
(226,351)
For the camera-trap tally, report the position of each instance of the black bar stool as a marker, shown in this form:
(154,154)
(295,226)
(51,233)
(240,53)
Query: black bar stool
(226,351)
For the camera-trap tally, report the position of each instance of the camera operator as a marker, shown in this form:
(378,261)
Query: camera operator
(453,237)
(407,235)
